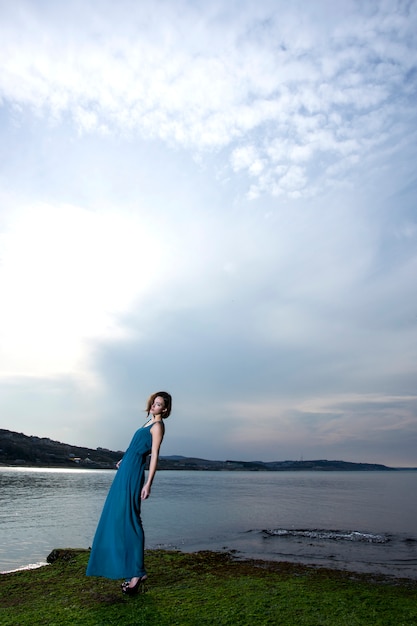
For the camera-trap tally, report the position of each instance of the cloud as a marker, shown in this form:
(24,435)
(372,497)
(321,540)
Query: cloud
(302,347)
(198,77)
(218,199)
(327,426)
(66,272)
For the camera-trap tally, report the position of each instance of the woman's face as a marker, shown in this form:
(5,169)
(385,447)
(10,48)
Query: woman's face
(158,406)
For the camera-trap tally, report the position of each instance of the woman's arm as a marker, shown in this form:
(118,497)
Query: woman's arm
(157,436)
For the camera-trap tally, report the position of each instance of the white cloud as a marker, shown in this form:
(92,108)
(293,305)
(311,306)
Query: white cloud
(132,256)
(66,273)
(244,158)
(197,77)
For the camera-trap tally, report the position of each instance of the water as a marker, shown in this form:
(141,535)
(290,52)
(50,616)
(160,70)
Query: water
(360,521)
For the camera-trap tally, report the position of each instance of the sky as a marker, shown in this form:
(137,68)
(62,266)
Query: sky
(217,199)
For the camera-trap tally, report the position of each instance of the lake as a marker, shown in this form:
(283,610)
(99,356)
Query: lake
(360,521)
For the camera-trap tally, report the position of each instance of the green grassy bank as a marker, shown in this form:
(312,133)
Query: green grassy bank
(204,588)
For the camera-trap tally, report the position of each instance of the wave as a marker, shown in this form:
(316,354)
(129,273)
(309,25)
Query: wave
(328,535)
(25,567)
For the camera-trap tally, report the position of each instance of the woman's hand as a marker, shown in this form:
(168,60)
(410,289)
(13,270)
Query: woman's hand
(118,464)
(146,492)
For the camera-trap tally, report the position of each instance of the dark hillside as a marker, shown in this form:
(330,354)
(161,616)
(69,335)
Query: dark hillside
(20,449)
(17,449)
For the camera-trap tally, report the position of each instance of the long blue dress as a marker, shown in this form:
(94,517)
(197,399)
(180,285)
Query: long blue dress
(118,546)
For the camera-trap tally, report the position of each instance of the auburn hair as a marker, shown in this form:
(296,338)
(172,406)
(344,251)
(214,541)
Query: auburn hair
(167,401)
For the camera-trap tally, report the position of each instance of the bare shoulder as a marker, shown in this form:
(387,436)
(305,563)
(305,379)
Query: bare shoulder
(158,428)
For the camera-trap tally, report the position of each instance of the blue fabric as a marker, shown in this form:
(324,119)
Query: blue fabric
(118,546)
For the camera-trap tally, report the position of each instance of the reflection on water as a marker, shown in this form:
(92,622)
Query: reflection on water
(42,509)
(314,517)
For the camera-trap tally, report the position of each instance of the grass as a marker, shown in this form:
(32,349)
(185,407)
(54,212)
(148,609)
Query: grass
(204,588)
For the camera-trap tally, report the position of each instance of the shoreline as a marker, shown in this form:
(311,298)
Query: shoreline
(267,564)
(215,466)
(204,588)
(366,557)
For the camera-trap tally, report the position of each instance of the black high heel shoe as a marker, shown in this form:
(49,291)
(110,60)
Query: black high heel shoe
(131,591)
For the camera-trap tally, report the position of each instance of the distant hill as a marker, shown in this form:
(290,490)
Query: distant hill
(17,449)
(188,463)
(20,449)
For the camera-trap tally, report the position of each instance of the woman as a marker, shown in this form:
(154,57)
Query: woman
(118,547)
